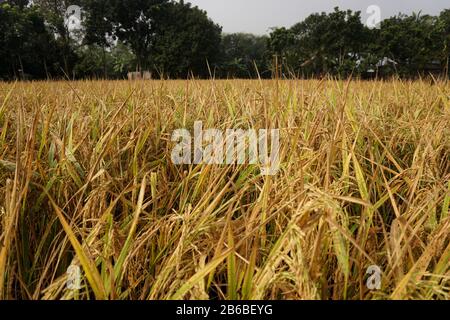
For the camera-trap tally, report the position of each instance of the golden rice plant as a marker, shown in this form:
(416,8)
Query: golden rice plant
(86,179)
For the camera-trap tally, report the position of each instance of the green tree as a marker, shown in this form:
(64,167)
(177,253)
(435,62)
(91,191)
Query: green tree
(443,28)
(241,53)
(134,23)
(54,13)
(123,59)
(172,38)
(98,28)
(330,43)
(323,43)
(411,41)
(94,61)
(26,45)
(283,47)
(186,40)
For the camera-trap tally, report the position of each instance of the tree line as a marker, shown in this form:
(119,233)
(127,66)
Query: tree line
(173,39)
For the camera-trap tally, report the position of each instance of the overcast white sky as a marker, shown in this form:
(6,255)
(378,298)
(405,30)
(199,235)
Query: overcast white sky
(258,16)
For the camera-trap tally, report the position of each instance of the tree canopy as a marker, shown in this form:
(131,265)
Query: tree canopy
(338,43)
(174,39)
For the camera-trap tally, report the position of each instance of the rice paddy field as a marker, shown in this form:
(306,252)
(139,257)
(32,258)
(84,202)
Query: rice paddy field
(86,180)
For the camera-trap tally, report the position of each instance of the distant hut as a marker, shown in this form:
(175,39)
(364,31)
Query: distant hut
(137,75)
(382,68)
